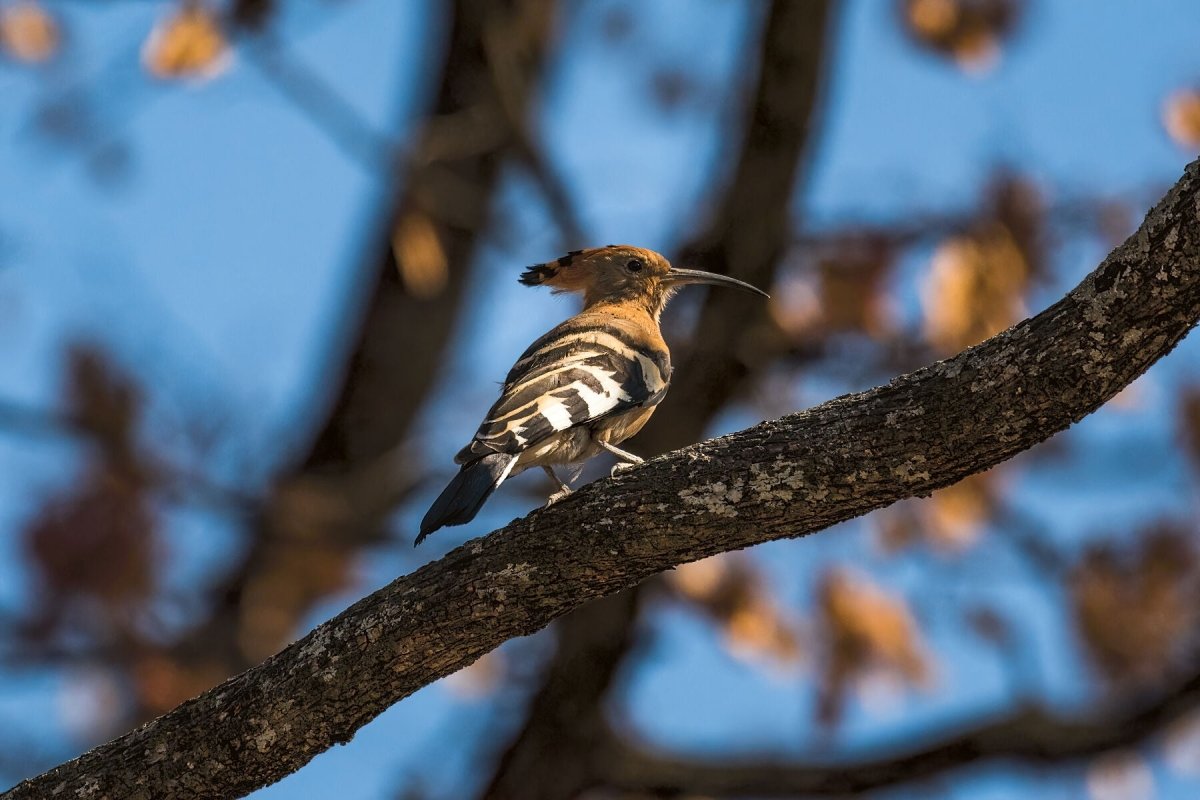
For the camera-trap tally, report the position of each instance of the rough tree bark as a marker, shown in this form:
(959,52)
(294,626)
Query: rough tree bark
(780,479)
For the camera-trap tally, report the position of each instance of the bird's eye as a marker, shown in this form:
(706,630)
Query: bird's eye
(634,265)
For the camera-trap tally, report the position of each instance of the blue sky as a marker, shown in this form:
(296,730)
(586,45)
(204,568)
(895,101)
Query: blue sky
(220,263)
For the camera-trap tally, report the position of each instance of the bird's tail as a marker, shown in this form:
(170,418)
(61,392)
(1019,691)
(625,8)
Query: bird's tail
(472,486)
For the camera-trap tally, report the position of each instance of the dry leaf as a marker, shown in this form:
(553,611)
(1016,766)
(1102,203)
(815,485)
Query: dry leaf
(316,532)
(899,527)
(852,287)
(956,515)
(28,33)
(1181,117)
(163,682)
(290,576)
(1137,612)
(107,404)
(975,289)
(187,44)
(728,589)
(865,630)
(1115,221)
(795,306)
(846,292)
(951,520)
(96,542)
(699,580)
(1132,398)
(970,32)
(420,256)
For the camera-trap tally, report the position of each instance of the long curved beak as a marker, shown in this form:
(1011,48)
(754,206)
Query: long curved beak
(681,277)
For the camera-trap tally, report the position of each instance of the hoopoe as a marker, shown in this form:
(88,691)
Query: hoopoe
(583,388)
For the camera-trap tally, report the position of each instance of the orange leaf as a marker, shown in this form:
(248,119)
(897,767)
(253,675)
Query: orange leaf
(420,256)
(1181,117)
(957,513)
(728,589)
(866,630)
(969,32)
(852,288)
(1136,612)
(28,33)
(189,43)
(975,288)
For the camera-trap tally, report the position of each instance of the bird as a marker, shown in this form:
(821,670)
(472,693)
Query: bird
(584,387)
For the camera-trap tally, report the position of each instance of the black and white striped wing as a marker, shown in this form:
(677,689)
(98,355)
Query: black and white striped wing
(568,378)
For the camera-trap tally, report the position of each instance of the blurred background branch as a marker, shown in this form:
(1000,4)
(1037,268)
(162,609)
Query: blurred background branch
(256,266)
(1030,737)
(922,432)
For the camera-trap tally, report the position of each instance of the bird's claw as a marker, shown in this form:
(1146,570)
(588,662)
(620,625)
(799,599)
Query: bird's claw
(559,495)
(620,467)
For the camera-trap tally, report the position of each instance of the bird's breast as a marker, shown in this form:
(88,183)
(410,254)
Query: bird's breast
(619,427)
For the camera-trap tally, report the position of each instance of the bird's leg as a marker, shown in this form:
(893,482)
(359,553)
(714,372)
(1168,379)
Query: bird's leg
(563,489)
(628,460)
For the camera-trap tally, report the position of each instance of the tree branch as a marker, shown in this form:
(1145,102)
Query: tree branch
(779,479)
(1033,735)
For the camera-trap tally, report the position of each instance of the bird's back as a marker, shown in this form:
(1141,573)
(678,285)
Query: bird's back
(605,361)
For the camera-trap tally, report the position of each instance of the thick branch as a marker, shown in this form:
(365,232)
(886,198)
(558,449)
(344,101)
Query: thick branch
(780,479)
(1031,735)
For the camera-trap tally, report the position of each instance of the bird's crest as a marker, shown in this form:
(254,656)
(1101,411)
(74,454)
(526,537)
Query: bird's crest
(557,273)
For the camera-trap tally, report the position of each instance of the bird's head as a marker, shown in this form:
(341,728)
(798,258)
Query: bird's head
(622,273)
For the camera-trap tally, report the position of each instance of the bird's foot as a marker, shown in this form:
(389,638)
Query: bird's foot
(559,495)
(625,460)
(622,466)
